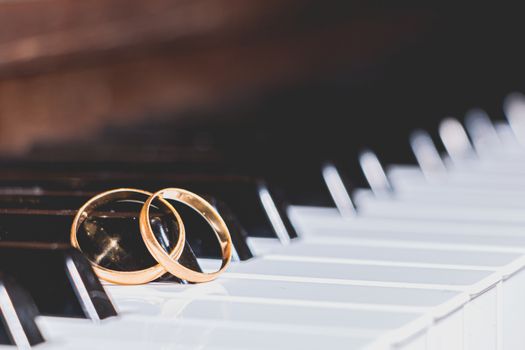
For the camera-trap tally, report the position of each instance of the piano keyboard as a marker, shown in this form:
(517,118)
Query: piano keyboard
(432,257)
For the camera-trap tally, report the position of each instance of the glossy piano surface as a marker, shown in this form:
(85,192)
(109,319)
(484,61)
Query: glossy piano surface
(262,108)
(313,292)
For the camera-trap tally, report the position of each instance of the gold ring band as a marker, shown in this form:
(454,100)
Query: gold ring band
(213,218)
(128,277)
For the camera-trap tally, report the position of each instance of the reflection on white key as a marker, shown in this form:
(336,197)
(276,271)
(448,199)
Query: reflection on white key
(482,132)
(456,141)
(427,155)
(514,107)
(374,173)
(273,215)
(338,191)
(508,139)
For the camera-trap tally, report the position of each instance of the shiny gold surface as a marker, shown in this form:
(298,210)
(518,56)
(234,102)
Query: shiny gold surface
(127,277)
(169,261)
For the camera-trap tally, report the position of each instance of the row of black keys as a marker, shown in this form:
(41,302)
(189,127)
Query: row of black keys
(46,279)
(37,209)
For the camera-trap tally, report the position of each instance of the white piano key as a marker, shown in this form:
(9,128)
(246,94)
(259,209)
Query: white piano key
(189,334)
(412,335)
(294,291)
(259,245)
(447,333)
(455,329)
(456,141)
(509,142)
(460,181)
(427,155)
(321,227)
(430,211)
(326,220)
(370,229)
(393,243)
(514,107)
(454,279)
(482,132)
(460,190)
(513,311)
(347,249)
(337,190)
(444,199)
(484,302)
(496,240)
(161,306)
(375,174)
(309,315)
(481,321)
(166,287)
(416,342)
(403,176)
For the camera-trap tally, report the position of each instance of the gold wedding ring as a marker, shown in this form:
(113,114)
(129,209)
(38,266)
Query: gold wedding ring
(137,276)
(170,261)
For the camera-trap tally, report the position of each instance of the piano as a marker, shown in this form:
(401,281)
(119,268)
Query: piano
(243,103)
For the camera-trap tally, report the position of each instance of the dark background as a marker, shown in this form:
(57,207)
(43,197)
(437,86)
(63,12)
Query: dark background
(458,58)
(276,88)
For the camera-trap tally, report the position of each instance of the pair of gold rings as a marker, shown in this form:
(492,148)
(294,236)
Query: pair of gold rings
(167,261)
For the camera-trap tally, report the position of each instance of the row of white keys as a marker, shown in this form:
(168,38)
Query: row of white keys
(307,296)
(336,313)
(338,291)
(482,334)
(285,314)
(346,244)
(419,205)
(417,222)
(353,305)
(493,203)
(477,181)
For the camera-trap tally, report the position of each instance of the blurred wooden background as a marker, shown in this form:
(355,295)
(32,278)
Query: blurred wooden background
(68,68)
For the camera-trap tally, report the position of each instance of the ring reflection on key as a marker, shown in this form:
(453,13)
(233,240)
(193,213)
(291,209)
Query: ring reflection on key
(106,230)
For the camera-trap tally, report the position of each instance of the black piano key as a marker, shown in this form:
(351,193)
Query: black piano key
(205,149)
(189,260)
(17,313)
(244,197)
(280,207)
(59,279)
(242,194)
(35,225)
(42,200)
(52,225)
(238,233)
